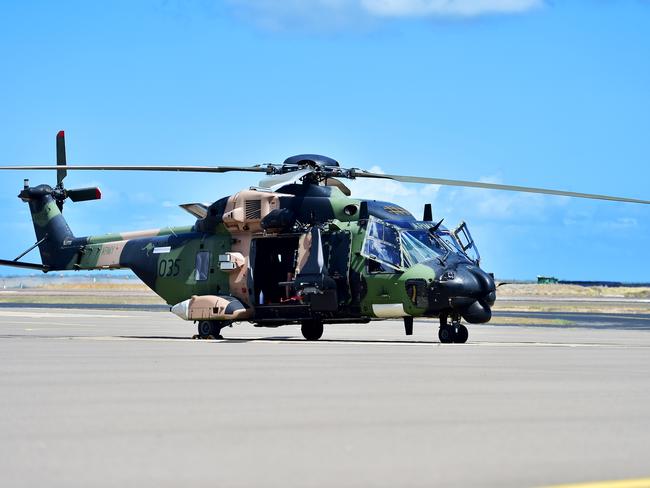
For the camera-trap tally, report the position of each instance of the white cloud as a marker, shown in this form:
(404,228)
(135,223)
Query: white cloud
(278,14)
(447,8)
(587,220)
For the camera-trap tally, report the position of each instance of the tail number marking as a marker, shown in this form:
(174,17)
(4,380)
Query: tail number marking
(169,267)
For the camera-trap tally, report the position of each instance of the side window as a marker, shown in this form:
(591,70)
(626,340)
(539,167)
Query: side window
(381,245)
(466,241)
(202,265)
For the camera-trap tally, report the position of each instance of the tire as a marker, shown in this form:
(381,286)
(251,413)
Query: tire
(461,334)
(446,334)
(312,330)
(209,328)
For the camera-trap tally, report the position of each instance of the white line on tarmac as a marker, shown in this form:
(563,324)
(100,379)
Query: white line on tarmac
(50,314)
(262,340)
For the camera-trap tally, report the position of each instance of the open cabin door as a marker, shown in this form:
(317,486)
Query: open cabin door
(337,247)
(274,265)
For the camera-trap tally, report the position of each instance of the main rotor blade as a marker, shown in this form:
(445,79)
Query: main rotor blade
(496,186)
(144,167)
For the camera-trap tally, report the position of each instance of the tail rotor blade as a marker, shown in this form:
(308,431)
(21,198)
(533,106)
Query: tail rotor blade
(61,172)
(84,194)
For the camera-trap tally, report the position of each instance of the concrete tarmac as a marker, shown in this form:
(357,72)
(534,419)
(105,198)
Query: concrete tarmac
(126,398)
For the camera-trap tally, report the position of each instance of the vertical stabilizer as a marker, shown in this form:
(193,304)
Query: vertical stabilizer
(52,230)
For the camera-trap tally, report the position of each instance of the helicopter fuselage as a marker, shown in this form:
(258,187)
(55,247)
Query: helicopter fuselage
(304,252)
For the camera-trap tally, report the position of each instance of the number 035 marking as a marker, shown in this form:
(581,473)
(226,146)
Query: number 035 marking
(169,267)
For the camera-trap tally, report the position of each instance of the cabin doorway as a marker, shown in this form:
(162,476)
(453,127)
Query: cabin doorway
(274,267)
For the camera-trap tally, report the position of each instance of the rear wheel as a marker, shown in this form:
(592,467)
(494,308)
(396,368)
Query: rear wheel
(209,329)
(312,330)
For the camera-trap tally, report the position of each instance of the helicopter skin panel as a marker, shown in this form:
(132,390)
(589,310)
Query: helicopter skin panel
(191,267)
(172,274)
(125,236)
(389,310)
(388,211)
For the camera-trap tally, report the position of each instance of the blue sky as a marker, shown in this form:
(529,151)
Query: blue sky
(525,92)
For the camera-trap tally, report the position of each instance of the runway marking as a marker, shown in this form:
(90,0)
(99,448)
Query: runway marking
(566,316)
(632,483)
(323,342)
(50,314)
(32,322)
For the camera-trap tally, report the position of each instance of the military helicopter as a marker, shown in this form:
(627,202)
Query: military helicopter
(296,249)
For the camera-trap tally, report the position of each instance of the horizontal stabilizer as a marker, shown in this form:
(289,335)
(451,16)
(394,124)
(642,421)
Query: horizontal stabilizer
(20,264)
(83,194)
(199,210)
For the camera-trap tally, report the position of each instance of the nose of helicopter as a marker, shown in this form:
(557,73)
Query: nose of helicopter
(470,291)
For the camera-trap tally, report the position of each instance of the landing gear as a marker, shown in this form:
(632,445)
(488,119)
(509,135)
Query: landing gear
(446,334)
(461,334)
(452,331)
(210,329)
(312,330)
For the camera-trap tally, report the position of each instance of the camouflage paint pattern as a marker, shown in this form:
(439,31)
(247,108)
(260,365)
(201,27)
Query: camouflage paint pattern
(167,260)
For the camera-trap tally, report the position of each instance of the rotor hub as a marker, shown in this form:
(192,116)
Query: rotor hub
(319,168)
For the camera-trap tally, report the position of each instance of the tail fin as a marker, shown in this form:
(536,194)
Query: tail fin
(52,230)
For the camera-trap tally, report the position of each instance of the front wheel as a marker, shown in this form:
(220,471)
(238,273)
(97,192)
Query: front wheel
(312,330)
(461,334)
(446,334)
(453,332)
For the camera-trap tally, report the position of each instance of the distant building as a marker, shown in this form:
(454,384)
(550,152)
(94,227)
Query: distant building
(546,280)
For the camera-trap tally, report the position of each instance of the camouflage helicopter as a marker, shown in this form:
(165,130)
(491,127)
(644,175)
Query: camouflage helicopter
(297,249)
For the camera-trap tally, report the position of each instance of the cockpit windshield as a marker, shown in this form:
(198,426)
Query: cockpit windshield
(419,245)
(399,245)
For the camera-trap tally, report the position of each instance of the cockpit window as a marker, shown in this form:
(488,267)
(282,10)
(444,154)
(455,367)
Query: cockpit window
(398,245)
(382,244)
(384,232)
(419,245)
